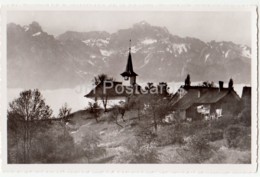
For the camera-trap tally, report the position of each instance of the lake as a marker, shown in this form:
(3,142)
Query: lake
(75,99)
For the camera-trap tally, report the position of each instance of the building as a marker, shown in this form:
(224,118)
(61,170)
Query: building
(116,90)
(204,102)
(110,93)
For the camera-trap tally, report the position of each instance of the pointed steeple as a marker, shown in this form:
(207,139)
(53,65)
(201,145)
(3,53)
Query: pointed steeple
(129,71)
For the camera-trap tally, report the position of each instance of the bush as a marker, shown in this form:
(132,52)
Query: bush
(54,145)
(138,152)
(214,135)
(193,127)
(197,150)
(199,144)
(94,109)
(235,136)
(168,135)
(244,143)
(144,154)
(90,145)
(223,122)
(106,116)
(245,116)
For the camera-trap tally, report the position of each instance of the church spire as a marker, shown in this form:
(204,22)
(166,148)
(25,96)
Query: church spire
(129,71)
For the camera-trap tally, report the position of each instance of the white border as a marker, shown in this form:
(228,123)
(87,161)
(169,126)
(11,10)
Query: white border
(187,168)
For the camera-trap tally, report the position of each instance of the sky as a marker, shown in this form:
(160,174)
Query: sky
(232,26)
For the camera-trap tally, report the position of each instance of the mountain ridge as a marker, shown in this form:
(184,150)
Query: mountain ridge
(74,58)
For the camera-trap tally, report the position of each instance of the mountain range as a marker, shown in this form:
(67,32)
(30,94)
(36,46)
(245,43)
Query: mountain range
(36,59)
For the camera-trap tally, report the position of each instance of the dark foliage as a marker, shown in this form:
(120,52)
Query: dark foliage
(237,136)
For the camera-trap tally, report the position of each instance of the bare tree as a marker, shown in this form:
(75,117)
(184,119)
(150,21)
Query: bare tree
(64,112)
(94,109)
(28,110)
(101,80)
(158,107)
(114,115)
(136,103)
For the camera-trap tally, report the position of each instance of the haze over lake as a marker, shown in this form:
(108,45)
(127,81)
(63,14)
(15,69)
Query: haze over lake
(75,96)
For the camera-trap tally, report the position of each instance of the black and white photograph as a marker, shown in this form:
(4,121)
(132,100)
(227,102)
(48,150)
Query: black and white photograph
(130,86)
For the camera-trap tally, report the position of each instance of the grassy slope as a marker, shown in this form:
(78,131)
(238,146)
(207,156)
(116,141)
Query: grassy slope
(114,137)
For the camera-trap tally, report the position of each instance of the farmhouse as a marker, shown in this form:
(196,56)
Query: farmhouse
(204,102)
(109,93)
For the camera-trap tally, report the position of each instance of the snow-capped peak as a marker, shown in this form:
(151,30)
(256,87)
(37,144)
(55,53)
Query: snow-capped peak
(37,34)
(106,52)
(26,28)
(148,41)
(179,48)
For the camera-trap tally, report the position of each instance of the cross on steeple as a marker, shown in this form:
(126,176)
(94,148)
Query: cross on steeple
(130,46)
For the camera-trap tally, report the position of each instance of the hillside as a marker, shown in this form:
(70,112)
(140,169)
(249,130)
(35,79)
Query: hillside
(120,146)
(73,58)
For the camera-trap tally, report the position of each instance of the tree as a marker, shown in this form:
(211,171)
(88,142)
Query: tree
(137,103)
(115,112)
(94,109)
(13,137)
(101,80)
(64,113)
(157,107)
(24,113)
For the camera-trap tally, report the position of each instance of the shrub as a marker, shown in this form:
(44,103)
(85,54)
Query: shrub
(90,144)
(94,109)
(168,135)
(193,127)
(218,158)
(144,135)
(245,116)
(199,144)
(139,148)
(197,150)
(106,116)
(214,135)
(233,135)
(244,143)
(223,122)
(136,151)
(144,154)
(54,146)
